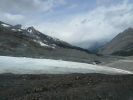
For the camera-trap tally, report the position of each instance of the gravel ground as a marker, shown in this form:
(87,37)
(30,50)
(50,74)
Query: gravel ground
(66,87)
(126,63)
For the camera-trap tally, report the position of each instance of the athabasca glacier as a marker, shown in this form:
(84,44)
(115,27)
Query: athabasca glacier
(22,65)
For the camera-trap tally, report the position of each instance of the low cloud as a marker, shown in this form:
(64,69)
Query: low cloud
(99,25)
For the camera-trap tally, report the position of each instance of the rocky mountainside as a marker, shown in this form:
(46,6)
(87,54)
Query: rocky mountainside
(29,42)
(121,45)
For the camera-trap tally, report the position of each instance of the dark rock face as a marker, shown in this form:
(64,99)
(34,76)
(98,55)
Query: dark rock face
(29,42)
(121,45)
(66,87)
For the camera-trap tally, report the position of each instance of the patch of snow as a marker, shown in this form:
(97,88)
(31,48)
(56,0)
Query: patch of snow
(44,40)
(30,31)
(42,44)
(5,25)
(19,30)
(13,29)
(22,65)
(16,29)
(53,45)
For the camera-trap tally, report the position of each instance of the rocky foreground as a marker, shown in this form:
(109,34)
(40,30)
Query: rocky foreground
(66,87)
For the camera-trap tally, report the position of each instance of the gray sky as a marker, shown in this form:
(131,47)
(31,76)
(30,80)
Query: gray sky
(80,22)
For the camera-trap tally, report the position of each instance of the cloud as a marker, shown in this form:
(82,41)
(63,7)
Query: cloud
(83,29)
(22,11)
(86,29)
(29,6)
(108,2)
(11,18)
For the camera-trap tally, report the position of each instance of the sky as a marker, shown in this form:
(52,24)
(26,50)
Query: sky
(84,23)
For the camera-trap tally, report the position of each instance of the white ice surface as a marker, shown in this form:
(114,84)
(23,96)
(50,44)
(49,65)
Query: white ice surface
(21,65)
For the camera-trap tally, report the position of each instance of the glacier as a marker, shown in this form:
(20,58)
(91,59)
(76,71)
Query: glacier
(22,65)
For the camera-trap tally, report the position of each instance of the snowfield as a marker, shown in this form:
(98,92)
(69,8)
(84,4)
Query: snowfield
(21,65)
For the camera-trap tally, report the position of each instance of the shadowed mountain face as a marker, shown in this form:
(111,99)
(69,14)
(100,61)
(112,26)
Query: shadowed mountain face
(15,41)
(121,45)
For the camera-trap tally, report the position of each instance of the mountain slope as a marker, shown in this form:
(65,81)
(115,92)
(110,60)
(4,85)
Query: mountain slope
(15,41)
(121,45)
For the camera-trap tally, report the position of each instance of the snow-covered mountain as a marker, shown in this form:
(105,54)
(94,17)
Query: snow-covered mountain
(29,42)
(21,65)
(36,36)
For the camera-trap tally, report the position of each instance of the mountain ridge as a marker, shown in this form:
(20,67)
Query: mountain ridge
(121,45)
(29,42)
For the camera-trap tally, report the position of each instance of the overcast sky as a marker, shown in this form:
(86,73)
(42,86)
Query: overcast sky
(80,22)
